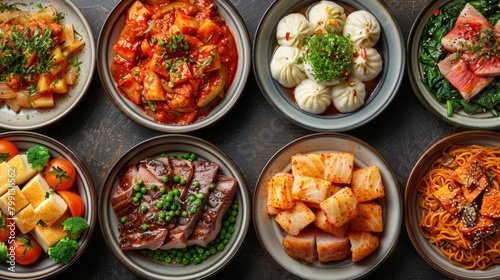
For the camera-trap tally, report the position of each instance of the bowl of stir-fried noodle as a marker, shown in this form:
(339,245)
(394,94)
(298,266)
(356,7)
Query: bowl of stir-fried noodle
(451,205)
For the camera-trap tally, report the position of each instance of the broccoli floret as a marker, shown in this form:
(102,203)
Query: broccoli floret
(4,253)
(74,226)
(38,157)
(64,251)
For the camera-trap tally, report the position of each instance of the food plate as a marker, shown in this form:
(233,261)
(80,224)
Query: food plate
(45,267)
(28,119)
(415,70)
(109,35)
(413,212)
(270,233)
(393,52)
(144,266)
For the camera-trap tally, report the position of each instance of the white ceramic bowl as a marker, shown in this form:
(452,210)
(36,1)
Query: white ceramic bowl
(110,33)
(393,53)
(28,119)
(45,267)
(270,233)
(145,266)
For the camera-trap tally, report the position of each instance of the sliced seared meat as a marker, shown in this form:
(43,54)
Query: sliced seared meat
(481,65)
(184,169)
(468,28)
(456,70)
(219,201)
(204,175)
(124,192)
(143,227)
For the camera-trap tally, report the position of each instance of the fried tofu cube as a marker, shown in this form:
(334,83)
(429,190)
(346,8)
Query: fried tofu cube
(302,246)
(311,165)
(339,167)
(22,168)
(48,236)
(4,177)
(332,248)
(51,209)
(36,189)
(473,179)
(323,223)
(295,219)
(280,191)
(369,218)
(484,226)
(451,198)
(341,207)
(490,206)
(310,189)
(362,244)
(367,184)
(13,201)
(26,219)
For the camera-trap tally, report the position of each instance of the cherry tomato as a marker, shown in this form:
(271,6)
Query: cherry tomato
(7,226)
(60,174)
(26,249)
(75,202)
(7,150)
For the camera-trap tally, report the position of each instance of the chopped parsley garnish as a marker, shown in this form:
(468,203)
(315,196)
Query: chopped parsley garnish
(330,56)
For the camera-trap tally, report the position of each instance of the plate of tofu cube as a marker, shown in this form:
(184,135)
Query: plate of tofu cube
(58,222)
(328,206)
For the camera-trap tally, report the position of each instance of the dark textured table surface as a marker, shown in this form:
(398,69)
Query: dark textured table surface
(251,133)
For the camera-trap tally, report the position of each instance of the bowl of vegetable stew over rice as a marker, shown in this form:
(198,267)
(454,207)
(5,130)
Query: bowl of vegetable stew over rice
(48,206)
(174,66)
(451,205)
(48,61)
(174,207)
(453,62)
(329,66)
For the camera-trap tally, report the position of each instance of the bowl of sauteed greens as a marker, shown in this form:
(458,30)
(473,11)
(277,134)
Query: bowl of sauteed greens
(174,207)
(335,90)
(453,62)
(187,66)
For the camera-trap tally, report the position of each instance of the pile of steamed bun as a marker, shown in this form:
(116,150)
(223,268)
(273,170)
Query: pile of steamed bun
(289,68)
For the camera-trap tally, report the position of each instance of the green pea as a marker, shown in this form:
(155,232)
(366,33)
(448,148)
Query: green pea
(135,199)
(196,184)
(123,219)
(184,214)
(153,186)
(192,157)
(168,260)
(178,259)
(144,208)
(205,207)
(177,192)
(162,215)
(144,227)
(159,205)
(232,219)
(212,186)
(186,156)
(137,188)
(198,202)
(144,190)
(182,181)
(140,182)
(190,197)
(162,190)
(193,209)
(164,179)
(200,196)
(177,178)
(138,195)
(168,218)
(220,247)
(185,261)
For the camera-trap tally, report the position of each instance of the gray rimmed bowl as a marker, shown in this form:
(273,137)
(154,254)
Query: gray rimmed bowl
(413,211)
(270,233)
(28,119)
(393,53)
(109,35)
(144,266)
(415,70)
(84,186)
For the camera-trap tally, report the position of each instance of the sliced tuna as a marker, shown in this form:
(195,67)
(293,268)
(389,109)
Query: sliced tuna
(204,174)
(468,28)
(482,65)
(456,70)
(219,201)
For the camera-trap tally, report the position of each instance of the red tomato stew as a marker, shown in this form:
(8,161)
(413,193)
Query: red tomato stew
(175,60)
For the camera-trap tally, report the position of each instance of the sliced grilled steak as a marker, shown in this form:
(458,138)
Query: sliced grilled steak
(124,192)
(219,201)
(204,175)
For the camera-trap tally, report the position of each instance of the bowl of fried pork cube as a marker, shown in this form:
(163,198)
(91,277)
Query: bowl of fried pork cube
(327,203)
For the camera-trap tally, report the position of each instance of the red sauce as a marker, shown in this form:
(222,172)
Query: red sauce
(175,60)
